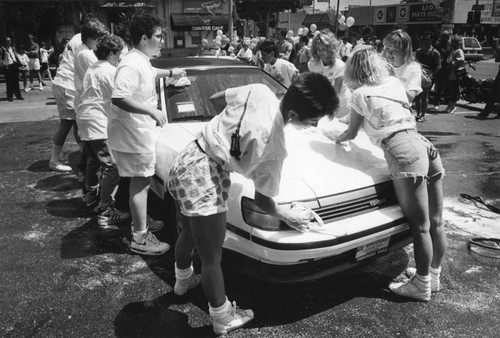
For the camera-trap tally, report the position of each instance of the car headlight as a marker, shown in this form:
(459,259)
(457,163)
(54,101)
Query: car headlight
(256,217)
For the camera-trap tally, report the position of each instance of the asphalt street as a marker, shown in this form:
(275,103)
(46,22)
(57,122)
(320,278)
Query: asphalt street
(62,277)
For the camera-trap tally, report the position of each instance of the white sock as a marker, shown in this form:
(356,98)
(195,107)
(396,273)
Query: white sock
(139,235)
(423,282)
(219,312)
(183,274)
(436,271)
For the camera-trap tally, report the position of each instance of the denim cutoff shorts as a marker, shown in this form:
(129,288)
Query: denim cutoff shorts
(198,184)
(409,154)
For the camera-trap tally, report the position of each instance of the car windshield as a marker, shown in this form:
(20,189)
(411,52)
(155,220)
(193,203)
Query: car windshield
(192,102)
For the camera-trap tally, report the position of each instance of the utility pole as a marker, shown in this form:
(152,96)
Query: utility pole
(230,23)
(337,17)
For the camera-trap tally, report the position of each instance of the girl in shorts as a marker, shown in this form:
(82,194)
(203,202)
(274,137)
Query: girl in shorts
(247,137)
(380,105)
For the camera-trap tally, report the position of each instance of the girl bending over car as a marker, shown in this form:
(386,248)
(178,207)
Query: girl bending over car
(247,137)
(380,105)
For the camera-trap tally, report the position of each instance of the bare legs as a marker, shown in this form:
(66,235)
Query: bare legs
(139,187)
(206,234)
(422,204)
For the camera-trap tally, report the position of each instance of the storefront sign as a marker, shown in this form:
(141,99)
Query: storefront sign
(423,13)
(413,13)
(207,28)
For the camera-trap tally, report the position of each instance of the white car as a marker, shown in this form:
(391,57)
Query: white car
(347,185)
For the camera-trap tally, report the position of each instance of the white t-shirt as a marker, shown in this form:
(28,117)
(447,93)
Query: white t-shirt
(65,71)
(382,117)
(411,76)
(84,58)
(262,139)
(129,132)
(334,73)
(282,70)
(247,55)
(346,49)
(91,114)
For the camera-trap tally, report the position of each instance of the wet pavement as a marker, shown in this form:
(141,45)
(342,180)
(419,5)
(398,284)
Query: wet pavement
(62,277)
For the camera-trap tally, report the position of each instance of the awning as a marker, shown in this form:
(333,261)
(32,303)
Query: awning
(185,22)
(127,4)
(322,20)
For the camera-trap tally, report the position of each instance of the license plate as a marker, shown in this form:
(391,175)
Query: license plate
(371,249)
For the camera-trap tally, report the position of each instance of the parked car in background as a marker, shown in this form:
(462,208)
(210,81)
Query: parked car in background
(472,48)
(348,186)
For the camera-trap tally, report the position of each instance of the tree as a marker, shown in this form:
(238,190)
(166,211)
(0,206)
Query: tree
(262,11)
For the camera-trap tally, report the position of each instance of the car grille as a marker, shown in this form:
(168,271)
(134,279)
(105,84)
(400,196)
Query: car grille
(357,201)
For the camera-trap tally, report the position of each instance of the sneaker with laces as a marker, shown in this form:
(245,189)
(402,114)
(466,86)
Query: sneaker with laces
(436,107)
(60,167)
(40,88)
(435,283)
(411,290)
(110,216)
(26,90)
(150,246)
(184,285)
(233,319)
(154,225)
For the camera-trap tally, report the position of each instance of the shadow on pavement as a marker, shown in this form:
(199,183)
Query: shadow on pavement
(155,319)
(90,240)
(70,208)
(40,166)
(60,182)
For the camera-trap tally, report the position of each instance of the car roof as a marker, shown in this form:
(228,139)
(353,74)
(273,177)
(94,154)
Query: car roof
(199,62)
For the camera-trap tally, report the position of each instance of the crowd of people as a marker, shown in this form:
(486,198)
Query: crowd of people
(105,91)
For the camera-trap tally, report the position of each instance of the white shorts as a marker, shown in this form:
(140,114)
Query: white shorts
(65,102)
(34,64)
(134,164)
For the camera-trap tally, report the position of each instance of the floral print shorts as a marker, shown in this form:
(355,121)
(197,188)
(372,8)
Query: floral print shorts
(198,183)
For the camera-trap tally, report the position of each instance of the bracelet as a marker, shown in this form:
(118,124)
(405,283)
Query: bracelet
(170,75)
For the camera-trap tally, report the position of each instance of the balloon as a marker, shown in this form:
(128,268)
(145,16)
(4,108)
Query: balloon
(343,26)
(313,28)
(305,31)
(217,44)
(342,19)
(299,31)
(219,33)
(349,21)
(204,42)
(339,15)
(218,38)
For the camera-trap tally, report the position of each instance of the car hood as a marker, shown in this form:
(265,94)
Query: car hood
(315,167)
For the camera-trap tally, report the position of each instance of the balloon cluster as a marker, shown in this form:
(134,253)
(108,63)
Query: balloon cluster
(344,22)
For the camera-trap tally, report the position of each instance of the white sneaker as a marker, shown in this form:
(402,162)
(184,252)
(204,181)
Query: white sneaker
(411,290)
(26,90)
(111,216)
(60,167)
(183,285)
(233,319)
(40,88)
(435,283)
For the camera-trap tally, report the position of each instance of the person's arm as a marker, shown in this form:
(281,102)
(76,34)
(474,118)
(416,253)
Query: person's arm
(219,101)
(338,84)
(437,60)
(355,121)
(174,73)
(133,106)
